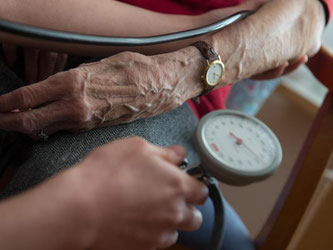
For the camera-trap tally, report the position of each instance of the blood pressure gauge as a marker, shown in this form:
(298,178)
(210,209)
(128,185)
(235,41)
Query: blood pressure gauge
(235,148)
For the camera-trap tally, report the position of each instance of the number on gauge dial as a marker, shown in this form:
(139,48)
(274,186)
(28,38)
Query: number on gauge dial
(239,143)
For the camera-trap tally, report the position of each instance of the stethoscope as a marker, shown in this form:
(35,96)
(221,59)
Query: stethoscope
(212,163)
(75,38)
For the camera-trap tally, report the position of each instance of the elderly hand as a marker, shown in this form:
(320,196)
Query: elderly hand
(38,64)
(273,41)
(118,89)
(281,70)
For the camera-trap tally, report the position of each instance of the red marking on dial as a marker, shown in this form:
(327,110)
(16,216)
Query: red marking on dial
(215,147)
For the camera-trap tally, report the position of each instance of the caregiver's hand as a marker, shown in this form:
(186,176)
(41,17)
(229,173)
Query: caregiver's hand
(119,89)
(38,64)
(126,195)
(147,200)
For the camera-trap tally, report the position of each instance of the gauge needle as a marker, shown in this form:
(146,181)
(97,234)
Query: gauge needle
(239,141)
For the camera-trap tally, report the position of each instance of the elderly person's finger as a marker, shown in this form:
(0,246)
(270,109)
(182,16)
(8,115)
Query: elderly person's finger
(61,63)
(31,121)
(31,57)
(50,63)
(53,128)
(271,74)
(29,97)
(46,64)
(295,65)
(10,53)
(281,70)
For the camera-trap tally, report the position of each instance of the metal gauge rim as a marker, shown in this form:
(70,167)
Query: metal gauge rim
(224,172)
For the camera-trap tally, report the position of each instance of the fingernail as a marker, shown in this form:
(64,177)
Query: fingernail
(180,151)
(205,190)
(197,217)
(306,59)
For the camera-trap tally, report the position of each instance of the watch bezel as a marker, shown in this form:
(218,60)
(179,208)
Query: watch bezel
(205,76)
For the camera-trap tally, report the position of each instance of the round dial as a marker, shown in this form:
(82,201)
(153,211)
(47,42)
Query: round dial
(236,148)
(214,73)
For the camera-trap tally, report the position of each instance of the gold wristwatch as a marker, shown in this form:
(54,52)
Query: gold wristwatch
(215,68)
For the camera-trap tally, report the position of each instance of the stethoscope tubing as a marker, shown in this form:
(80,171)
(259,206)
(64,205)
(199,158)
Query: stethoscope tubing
(76,38)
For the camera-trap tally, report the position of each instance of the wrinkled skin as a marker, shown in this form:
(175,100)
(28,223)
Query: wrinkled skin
(108,201)
(279,37)
(275,40)
(122,88)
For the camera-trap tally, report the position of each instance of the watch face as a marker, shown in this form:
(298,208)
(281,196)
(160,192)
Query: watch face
(214,73)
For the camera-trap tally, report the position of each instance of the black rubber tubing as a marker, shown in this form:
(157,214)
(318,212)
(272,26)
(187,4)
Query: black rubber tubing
(69,37)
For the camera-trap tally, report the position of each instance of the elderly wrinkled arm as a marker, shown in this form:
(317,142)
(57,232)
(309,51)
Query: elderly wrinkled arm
(130,86)
(279,33)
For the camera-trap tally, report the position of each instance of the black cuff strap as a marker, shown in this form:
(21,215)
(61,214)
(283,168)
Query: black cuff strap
(216,196)
(218,228)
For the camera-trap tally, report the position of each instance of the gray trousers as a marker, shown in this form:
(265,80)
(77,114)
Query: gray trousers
(40,160)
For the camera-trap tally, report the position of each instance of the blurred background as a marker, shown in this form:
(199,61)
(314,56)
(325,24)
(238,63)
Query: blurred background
(288,106)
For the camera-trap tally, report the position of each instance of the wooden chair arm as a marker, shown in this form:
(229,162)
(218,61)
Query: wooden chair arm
(321,66)
(308,169)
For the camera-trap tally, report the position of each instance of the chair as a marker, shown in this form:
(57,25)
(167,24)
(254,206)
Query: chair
(315,155)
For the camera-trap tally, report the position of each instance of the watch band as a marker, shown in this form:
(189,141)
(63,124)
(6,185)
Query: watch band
(207,51)
(210,55)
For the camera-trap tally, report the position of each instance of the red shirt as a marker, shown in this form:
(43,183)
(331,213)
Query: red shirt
(329,5)
(215,99)
(188,7)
